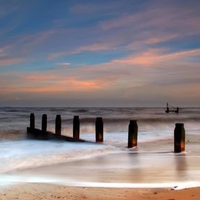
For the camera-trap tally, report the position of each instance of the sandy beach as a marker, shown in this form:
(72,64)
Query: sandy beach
(50,192)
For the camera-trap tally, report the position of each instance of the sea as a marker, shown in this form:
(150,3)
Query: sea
(18,154)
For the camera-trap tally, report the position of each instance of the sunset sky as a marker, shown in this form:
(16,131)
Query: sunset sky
(99,52)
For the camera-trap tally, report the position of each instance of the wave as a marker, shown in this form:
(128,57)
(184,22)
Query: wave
(14,120)
(117,120)
(29,153)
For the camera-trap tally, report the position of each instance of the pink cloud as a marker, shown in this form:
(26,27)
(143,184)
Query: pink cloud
(154,56)
(159,39)
(54,82)
(62,86)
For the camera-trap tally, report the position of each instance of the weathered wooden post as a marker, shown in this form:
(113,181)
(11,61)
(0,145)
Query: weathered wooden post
(132,134)
(76,127)
(179,138)
(99,129)
(32,121)
(44,122)
(58,125)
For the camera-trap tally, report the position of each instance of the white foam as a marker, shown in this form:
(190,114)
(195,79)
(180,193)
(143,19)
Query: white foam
(21,154)
(13,180)
(30,153)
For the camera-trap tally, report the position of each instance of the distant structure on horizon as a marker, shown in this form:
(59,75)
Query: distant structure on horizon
(172,109)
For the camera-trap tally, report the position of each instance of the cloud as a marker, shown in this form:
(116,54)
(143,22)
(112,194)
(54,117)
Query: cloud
(157,24)
(70,84)
(87,48)
(6,58)
(2,52)
(8,7)
(11,61)
(155,20)
(26,46)
(63,64)
(153,57)
(50,83)
(27,43)
(92,47)
(160,38)
(147,52)
(123,78)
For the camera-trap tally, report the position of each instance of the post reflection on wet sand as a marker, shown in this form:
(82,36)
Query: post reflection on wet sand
(181,166)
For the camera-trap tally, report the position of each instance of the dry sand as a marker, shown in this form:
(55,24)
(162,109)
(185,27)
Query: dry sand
(50,192)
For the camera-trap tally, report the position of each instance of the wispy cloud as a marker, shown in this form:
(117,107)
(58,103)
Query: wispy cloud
(153,57)
(8,7)
(156,20)
(151,15)
(2,52)
(161,38)
(50,83)
(88,48)
(137,31)
(66,64)
(11,61)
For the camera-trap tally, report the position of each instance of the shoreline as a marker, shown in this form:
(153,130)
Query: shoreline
(146,166)
(139,173)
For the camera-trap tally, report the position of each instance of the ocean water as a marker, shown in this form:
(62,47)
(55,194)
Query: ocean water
(19,153)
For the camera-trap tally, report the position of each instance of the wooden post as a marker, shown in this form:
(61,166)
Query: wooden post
(132,134)
(32,121)
(179,138)
(58,125)
(99,129)
(76,127)
(44,122)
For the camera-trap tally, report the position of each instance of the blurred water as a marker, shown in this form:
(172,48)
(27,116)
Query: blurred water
(17,152)
(115,119)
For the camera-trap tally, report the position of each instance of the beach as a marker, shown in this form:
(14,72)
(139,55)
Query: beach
(100,100)
(52,192)
(82,179)
(32,169)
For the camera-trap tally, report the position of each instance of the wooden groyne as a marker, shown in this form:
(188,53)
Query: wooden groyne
(179,138)
(99,129)
(132,134)
(43,134)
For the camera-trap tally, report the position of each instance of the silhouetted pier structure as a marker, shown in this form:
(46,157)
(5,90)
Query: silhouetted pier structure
(132,134)
(43,134)
(172,109)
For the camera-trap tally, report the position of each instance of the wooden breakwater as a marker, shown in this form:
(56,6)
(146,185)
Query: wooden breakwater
(43,134)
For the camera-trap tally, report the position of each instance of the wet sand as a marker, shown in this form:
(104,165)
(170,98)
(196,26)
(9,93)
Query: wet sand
(151,171)
(152,163)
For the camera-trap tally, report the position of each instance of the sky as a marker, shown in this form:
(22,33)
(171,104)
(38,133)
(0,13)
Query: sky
(99,52)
